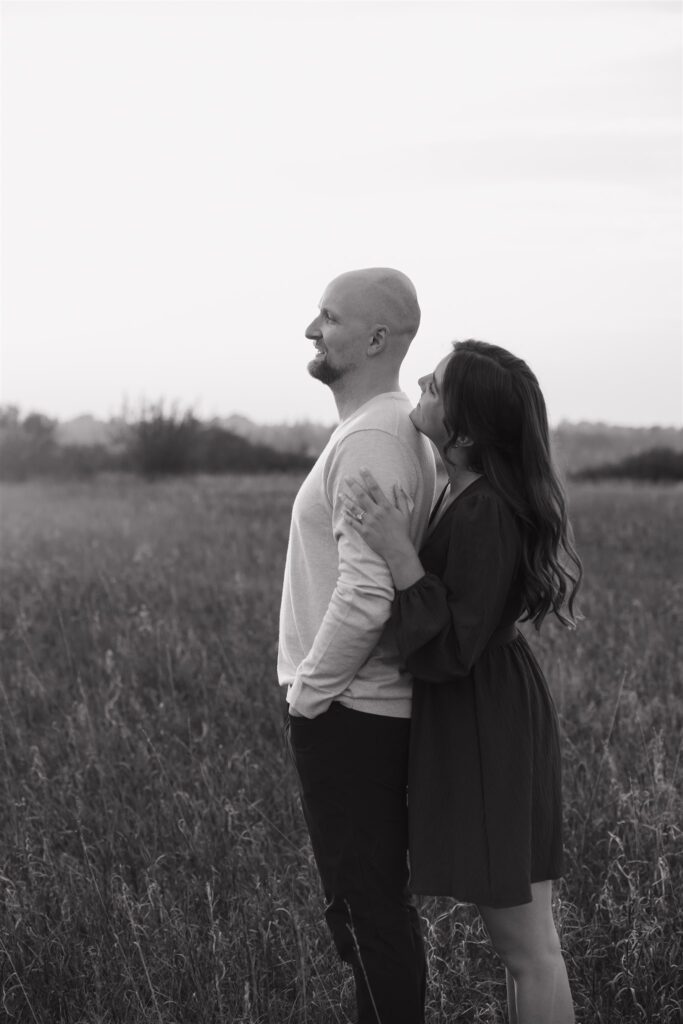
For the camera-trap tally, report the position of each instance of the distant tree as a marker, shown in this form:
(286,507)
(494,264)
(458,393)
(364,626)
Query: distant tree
(27,447)
(656,464)
(161,443)
(221,451)
(83,461)
(580,446)
(9,417)
(302,437)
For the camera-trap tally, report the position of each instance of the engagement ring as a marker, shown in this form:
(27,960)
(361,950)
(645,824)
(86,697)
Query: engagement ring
(360,516)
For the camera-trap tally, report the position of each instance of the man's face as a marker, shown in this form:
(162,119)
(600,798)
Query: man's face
(341,332)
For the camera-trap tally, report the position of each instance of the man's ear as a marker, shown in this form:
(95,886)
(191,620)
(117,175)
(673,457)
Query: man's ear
(378,341)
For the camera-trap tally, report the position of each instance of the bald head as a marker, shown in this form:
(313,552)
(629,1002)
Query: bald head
(366,321)
(383,296)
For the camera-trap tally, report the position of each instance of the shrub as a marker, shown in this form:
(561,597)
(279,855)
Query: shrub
(656,464)
(27,446)
(162,443)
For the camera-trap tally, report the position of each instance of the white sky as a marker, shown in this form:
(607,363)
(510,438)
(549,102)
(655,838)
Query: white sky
(181,180)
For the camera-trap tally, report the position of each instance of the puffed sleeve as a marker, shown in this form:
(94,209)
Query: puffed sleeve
(442,624)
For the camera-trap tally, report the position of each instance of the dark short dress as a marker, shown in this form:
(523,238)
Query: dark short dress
(484,793)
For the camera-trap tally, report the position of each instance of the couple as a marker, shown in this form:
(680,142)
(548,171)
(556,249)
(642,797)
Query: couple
(418,717)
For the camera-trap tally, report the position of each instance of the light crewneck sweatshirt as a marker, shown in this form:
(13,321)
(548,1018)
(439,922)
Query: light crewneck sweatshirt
(335,642)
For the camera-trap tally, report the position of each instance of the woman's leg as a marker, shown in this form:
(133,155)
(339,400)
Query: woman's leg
(526,940)
(511,997)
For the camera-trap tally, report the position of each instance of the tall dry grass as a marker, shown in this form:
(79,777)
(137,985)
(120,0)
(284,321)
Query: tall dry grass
(154,866)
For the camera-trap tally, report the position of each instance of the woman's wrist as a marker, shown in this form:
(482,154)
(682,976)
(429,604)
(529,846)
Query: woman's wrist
(406,569)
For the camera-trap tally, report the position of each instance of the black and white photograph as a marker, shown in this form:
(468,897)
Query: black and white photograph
(341,491)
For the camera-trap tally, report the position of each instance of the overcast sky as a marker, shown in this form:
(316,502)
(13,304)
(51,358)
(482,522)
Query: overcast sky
(181,180)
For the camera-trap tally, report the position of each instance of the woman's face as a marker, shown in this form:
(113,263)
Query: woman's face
(428,414)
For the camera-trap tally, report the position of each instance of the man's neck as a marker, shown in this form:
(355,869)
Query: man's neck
(350,398)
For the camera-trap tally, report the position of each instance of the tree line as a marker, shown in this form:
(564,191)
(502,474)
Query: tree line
(655,465)
(164,441)
(157,442)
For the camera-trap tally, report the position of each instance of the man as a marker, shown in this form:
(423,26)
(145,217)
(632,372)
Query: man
(349,698)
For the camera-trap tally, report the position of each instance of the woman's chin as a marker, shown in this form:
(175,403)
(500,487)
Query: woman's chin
(414,416)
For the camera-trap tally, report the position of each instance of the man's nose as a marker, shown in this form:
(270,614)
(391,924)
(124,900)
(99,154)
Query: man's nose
(313,330)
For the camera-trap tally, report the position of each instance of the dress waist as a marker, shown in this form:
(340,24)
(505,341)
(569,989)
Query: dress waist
(504,635)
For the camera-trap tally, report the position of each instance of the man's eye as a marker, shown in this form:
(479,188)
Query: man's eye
(328,316)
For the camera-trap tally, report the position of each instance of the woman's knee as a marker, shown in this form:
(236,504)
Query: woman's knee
(524,953)
(523,940)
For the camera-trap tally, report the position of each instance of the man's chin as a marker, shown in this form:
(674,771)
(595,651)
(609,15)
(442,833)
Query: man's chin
(321,370)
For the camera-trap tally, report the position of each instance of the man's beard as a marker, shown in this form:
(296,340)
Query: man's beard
(324,372)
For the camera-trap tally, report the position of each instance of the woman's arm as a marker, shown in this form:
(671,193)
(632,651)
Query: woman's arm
(444,622)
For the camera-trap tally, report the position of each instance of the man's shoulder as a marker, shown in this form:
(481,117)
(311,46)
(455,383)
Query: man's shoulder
(384,441)
(382,437)
(387,414)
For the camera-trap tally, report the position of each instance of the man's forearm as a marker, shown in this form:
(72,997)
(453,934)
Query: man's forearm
(349,633)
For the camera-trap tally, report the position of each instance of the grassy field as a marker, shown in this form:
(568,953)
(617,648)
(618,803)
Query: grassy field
(154,866)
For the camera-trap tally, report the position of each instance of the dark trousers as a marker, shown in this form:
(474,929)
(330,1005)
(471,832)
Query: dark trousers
(352,768)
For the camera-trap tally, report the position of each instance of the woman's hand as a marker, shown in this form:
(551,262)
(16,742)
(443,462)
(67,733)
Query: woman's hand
(384,525)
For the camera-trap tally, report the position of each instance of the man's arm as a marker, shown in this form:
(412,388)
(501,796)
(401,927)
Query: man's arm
(361,602)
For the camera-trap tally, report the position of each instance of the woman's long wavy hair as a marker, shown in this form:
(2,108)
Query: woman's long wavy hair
(492,398)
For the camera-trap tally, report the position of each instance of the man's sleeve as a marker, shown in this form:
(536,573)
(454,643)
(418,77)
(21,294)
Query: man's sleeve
(361,602)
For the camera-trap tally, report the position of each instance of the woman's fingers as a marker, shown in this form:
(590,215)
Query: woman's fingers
(402,500)
(358,499)
(354,486)
(357,493)
(352,518)
(359,511)
(372,487)
(355,511)
(367,493)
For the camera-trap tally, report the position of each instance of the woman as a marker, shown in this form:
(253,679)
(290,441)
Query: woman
(484,789)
